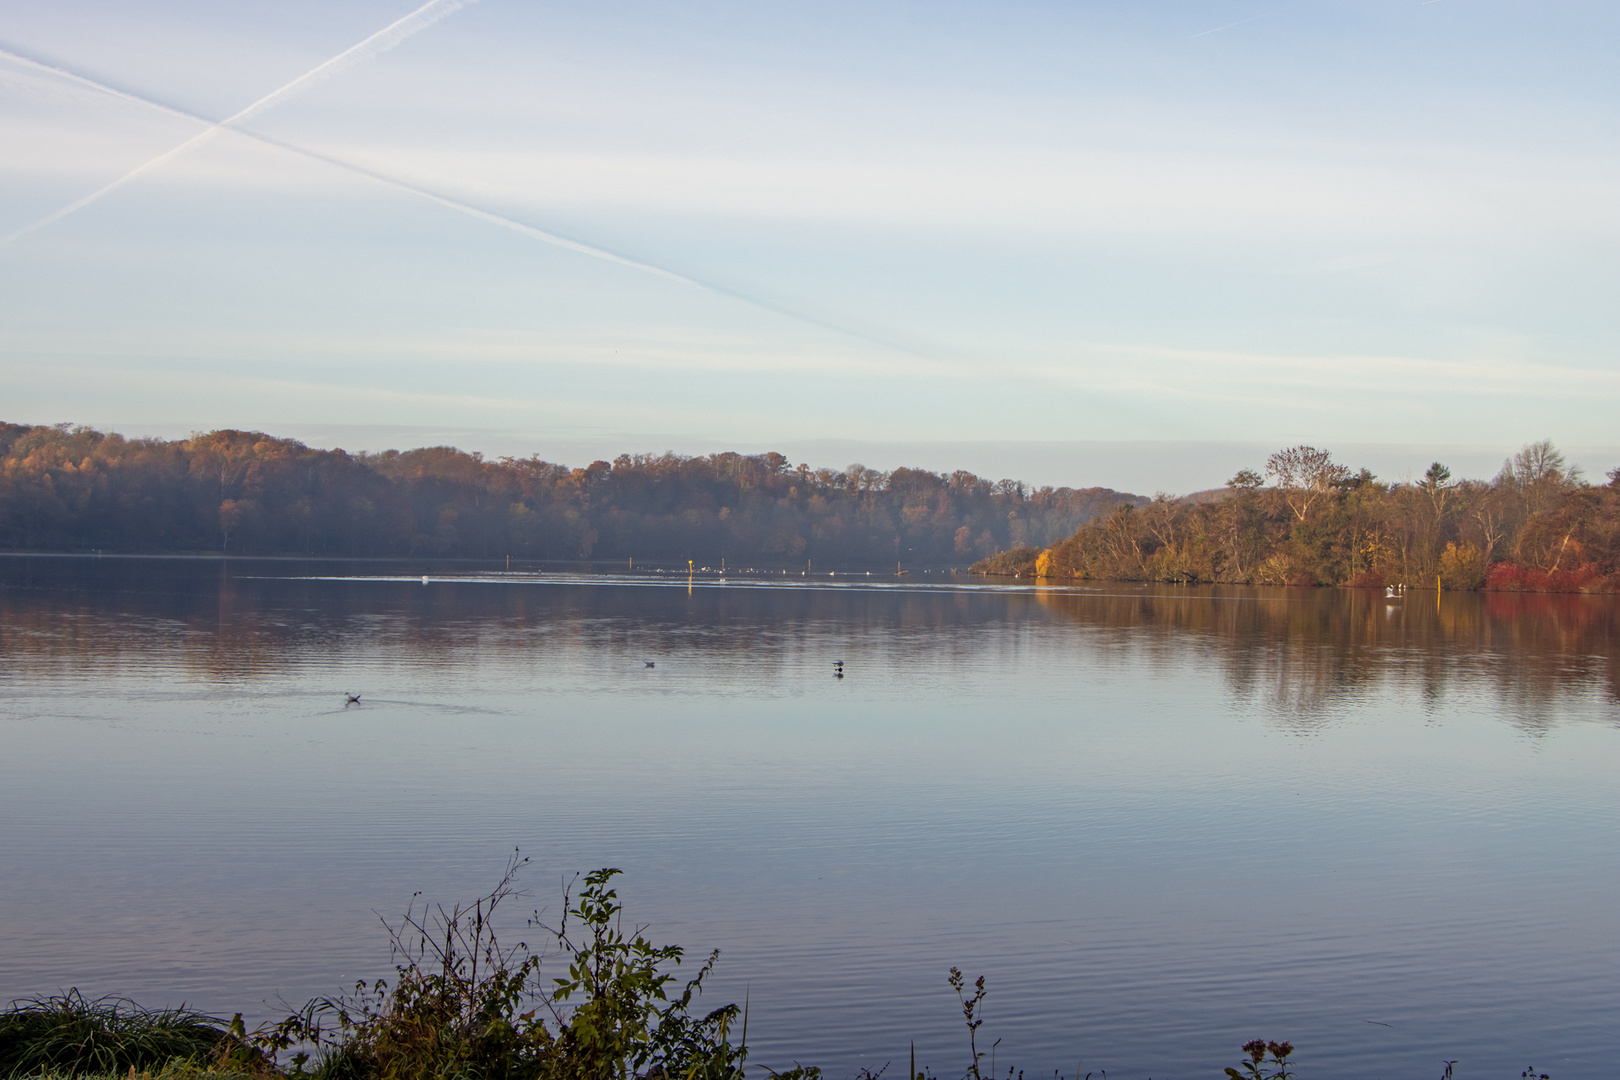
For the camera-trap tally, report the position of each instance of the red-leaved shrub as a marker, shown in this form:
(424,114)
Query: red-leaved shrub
(1506,577)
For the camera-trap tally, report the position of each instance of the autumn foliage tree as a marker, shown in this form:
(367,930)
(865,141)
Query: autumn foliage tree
(1536,526)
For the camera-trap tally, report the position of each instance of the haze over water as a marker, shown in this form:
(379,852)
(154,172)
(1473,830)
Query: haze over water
(1161,821)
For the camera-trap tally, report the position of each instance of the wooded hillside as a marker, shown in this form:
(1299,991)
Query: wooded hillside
(76,489)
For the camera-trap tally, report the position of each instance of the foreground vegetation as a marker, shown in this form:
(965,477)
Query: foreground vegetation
(75,489)
(70,1035)
(1537,527)
(463,1006)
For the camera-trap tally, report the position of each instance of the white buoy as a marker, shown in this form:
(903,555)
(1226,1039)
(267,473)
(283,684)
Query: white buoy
(424,579)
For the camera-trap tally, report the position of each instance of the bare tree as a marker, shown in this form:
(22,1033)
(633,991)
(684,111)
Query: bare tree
(1538,474)
(1305,475)
(1242,519)
(1122,540)
(1161,518)
(1489,510)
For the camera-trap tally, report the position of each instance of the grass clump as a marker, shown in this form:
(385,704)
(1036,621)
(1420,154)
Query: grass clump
(174,1070)
(71,1035)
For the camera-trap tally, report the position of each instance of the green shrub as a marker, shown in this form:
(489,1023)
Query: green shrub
(1266,1061)
(464,1006)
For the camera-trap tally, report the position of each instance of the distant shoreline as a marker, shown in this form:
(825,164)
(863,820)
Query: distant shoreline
(1305,520)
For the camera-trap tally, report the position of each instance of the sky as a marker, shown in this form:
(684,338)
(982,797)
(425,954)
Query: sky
(1133,243)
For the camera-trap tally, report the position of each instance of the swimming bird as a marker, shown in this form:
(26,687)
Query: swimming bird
(650,663)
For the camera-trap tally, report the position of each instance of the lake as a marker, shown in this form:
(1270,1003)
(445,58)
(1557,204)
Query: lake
(1160,821)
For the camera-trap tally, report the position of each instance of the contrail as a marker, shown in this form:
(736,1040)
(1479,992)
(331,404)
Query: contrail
(502,220)
(449,202)
(101,88)
(546,236)
(1228,26)
(383,40)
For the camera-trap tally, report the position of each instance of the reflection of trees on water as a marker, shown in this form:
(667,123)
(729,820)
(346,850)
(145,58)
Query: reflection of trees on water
(1306,652)
(246,619)
(1303,655)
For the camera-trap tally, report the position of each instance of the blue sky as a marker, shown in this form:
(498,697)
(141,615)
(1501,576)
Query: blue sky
(1130,243)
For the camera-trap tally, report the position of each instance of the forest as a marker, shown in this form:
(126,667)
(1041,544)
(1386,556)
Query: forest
(65,488)
(1537,526)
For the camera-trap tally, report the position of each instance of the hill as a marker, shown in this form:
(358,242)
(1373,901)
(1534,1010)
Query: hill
(65,488)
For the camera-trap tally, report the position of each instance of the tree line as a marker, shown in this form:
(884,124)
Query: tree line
(65,488)
(1309,520)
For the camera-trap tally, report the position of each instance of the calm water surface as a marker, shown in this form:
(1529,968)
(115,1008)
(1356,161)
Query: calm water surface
(1160,821)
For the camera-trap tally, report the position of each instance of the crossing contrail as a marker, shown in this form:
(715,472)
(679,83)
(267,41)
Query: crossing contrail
(383,40)
(338,163)
(449,202)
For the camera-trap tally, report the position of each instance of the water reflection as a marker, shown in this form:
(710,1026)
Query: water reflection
(1304,651)
(1300,654)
